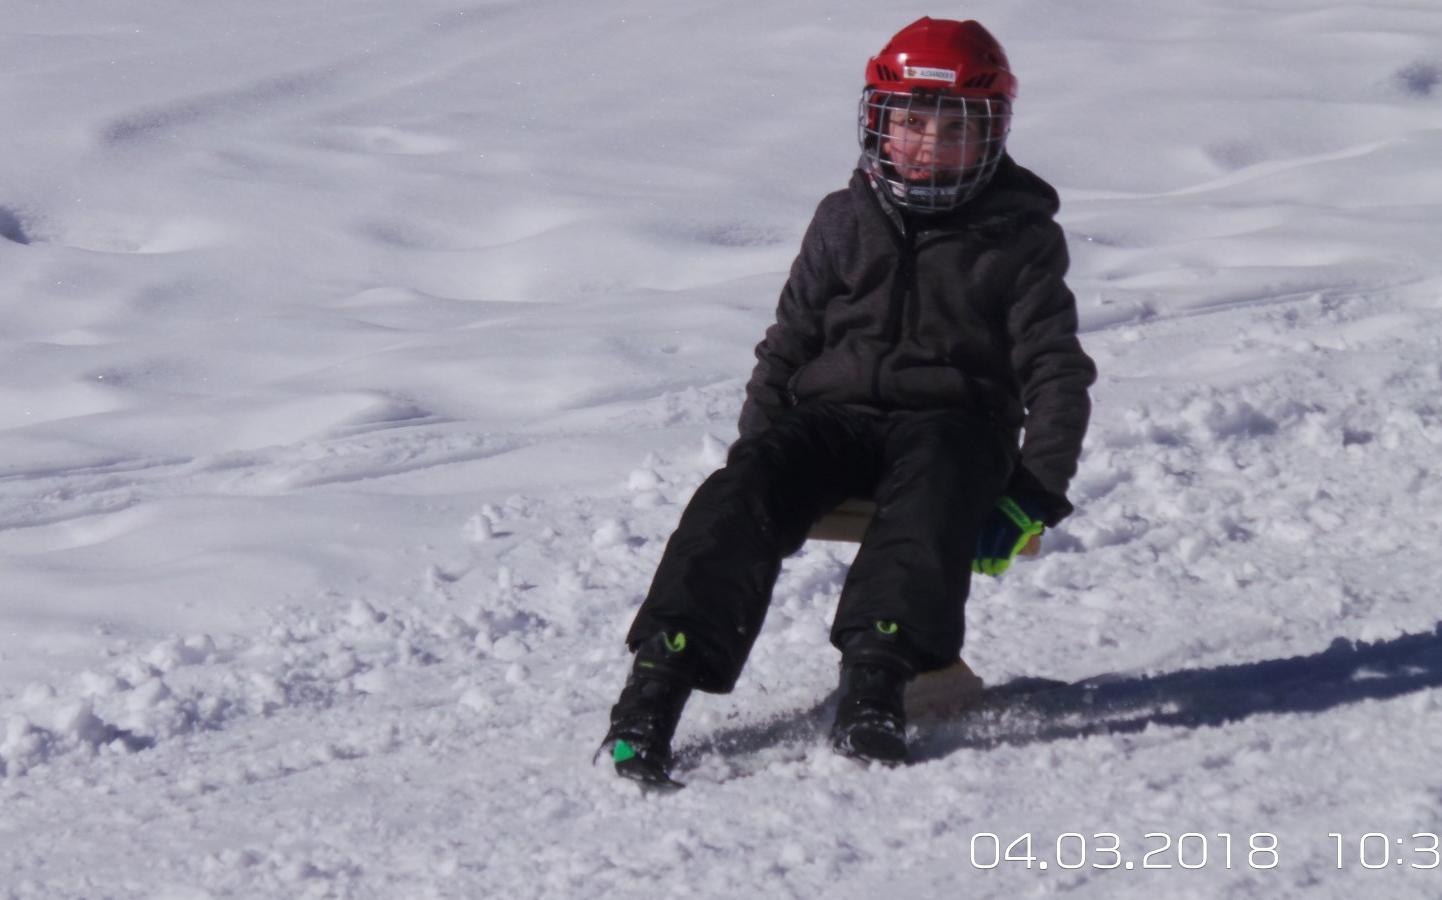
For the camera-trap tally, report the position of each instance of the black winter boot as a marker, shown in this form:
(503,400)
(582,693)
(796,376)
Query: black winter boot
(644,718)
(871,714)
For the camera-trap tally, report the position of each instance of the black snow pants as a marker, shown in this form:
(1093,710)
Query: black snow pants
(935,476)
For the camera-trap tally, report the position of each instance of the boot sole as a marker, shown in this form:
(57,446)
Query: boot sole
(871,746)
(649,775)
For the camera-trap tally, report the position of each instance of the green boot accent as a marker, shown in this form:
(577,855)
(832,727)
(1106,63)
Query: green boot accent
(673,645)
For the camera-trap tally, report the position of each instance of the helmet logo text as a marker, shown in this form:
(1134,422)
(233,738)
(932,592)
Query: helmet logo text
(925,74)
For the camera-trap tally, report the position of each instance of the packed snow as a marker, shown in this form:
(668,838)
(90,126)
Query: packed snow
(357,360)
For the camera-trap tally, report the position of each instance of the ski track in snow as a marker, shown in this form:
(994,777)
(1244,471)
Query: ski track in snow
(351,391)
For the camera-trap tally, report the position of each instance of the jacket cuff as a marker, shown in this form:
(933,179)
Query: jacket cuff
(1025,486)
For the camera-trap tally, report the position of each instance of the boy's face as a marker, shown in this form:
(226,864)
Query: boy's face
(945,142)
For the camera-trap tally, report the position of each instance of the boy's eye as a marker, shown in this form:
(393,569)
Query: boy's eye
(952,128)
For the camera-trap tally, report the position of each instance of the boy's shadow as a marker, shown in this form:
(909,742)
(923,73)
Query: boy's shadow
(1021,713)
(1032,710)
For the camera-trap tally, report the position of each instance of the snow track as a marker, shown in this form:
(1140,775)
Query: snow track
(439,737)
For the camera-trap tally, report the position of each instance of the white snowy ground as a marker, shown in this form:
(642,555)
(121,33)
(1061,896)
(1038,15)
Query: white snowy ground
(357,359)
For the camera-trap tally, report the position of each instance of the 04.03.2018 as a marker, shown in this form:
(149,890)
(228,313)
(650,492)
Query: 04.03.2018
(1108,850)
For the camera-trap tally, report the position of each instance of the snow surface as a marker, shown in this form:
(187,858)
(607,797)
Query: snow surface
(357,359)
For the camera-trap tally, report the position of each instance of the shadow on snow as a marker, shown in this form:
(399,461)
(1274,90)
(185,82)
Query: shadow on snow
(1032,711)
(1036,710)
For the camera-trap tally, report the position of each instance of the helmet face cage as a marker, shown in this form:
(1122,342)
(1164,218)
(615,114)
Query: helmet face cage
(932,151)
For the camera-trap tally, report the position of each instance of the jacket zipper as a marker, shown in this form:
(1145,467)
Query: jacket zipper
(901,293)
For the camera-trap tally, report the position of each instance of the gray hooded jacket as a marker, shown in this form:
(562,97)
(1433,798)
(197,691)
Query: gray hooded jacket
(967,310)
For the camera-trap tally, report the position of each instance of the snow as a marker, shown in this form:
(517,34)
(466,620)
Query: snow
(356,362)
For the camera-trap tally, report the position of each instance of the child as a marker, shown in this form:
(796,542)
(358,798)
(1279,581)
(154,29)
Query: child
(924,323)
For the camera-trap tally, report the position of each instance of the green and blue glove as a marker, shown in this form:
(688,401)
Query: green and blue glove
(1009,528)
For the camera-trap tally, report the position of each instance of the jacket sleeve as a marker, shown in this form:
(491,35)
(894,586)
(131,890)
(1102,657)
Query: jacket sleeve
(1054,373)
(795,338)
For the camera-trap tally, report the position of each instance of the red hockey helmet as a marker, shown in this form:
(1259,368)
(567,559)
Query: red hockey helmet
(935,112)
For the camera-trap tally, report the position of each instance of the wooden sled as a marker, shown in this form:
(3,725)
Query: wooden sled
(848,522)
(938,693)
(943,692)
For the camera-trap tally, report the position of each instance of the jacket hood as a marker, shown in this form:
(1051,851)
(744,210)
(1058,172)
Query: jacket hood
(1015,192)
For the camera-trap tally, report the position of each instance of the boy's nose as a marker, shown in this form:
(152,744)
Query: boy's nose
(925,149)
(927,141)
